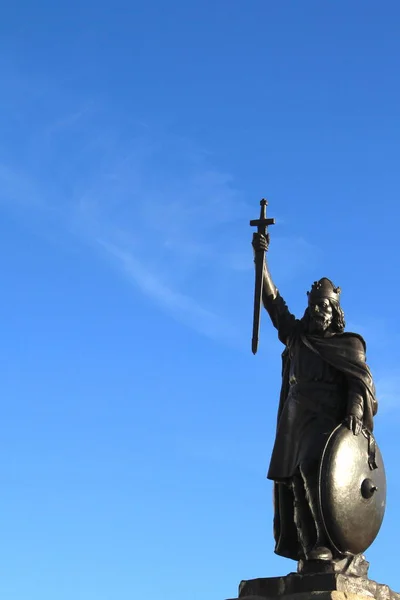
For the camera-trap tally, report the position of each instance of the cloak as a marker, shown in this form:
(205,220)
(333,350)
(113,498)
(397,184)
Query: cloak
(346,353)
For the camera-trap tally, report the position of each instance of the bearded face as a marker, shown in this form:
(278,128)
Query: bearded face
(321,315)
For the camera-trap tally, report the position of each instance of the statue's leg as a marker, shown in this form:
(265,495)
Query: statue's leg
(320,550)
(302,515)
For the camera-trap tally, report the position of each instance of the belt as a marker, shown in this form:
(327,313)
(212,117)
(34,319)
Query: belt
(322,385)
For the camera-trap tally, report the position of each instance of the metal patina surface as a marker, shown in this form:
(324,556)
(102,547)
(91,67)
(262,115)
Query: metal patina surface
(329,496)
(352,490)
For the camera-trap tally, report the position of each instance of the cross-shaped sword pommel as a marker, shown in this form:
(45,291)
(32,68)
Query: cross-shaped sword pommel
(262,223)
(262,226)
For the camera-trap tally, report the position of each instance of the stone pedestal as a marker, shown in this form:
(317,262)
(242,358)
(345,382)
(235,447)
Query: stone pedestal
(320,586)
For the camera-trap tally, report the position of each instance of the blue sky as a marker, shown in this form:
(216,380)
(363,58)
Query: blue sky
(136,142)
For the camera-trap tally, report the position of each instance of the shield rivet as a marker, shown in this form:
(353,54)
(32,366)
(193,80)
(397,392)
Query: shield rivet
(368,488)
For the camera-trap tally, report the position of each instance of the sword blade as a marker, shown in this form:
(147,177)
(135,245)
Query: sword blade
(260,260)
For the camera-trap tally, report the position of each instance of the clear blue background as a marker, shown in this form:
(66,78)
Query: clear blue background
(137,139)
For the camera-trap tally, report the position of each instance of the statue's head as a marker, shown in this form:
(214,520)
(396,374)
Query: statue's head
(324,311)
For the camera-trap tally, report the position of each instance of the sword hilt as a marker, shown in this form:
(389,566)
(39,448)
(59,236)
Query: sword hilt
(262,223)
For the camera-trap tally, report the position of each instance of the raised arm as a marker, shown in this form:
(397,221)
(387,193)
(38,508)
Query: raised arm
(279,313)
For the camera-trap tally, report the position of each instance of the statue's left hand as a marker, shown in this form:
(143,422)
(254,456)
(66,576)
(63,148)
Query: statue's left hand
(354,424)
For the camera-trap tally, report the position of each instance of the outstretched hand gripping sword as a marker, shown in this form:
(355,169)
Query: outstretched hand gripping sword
(262,227)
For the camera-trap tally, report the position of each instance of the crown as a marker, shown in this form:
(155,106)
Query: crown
(324,288)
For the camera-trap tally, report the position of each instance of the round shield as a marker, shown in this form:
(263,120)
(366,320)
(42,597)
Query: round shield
(352,490)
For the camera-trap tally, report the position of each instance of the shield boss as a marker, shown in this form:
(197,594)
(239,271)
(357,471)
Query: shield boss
(352,490)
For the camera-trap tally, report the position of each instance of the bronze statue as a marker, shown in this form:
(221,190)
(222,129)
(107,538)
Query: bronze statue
(326,410)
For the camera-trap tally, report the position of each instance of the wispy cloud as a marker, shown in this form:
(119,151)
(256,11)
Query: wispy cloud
(66,121)
(172,222)
(182,307)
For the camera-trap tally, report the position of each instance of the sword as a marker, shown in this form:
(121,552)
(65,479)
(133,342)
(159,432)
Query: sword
(262,226)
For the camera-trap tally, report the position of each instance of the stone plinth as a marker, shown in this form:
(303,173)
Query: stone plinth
(320,586)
